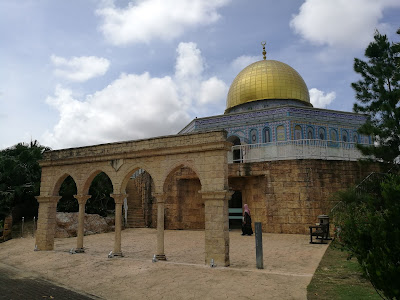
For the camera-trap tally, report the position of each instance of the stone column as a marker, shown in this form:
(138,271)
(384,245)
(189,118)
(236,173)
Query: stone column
(160,255)
(81,221)
(119,200)
(217,227)
(46,225)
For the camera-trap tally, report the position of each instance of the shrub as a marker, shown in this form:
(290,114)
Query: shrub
(369,225)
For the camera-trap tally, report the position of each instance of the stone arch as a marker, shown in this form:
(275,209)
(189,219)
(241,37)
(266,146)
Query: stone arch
(84,189)
(176,166)
(59,181)
(184,205)
(130,172)
(234,139)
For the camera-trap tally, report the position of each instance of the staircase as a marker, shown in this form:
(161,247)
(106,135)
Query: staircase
(135,206)
(136,217)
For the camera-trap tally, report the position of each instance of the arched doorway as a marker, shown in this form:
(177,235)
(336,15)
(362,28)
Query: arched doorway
(67,202)
(100,201)
(237,158)
(184,206)
(140,209)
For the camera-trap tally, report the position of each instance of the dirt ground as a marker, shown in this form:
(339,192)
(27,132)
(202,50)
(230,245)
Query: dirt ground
(289,264)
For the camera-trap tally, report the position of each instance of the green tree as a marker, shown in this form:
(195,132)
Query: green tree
(68,203)
(378,95)
(100,202)
(20,178)
(369,224)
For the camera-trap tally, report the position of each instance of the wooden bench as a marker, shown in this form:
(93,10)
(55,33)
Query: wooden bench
(235,217)
(320,232)
(235,213)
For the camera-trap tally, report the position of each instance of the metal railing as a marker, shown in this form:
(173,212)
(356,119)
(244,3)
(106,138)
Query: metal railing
(294,149)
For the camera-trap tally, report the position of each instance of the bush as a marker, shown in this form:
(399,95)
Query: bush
(369,225)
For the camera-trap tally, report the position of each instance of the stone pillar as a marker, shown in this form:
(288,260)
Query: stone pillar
(81,221)
(217,227)
(46,225)
(119,200)
(160,255)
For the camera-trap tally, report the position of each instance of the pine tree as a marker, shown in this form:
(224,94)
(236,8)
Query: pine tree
(378,95)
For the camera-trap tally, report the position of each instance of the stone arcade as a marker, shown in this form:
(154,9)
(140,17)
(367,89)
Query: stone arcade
(271,149)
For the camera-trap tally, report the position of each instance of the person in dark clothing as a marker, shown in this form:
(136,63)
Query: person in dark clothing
(246,223)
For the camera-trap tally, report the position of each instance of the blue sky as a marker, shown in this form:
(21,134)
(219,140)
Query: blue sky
(84,72)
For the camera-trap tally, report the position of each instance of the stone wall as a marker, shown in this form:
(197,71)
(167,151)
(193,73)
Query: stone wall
(287,196)
(184,206)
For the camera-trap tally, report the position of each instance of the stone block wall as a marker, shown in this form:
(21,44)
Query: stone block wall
(184,206)
(287,196)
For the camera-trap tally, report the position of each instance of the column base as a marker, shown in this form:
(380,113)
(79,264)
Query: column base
(161,257)
(118,254)
(79,250)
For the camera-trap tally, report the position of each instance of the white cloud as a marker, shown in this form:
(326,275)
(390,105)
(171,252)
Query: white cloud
(80,68)
(211,90)
(319,99)
(189,63)
(145,20)
(340,23)
(136,106)
(131,107)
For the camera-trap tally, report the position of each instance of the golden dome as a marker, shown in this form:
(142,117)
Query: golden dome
(267,79)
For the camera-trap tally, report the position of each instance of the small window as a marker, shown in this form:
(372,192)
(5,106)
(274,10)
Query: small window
(333,134)
(321,133)
(345,137)
(297,132)
(355,138)
(267,135)
(253,136)
(310,133)
(280,133)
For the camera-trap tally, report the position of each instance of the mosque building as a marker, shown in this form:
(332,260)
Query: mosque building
(271,149)
(287,159)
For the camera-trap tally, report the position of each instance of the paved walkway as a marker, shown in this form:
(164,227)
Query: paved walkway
(16,285)
(289,264)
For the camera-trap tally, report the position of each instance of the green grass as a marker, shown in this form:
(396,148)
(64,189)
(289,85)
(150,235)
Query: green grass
(337,278)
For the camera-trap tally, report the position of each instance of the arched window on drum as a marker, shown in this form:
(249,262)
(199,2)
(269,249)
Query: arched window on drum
(298,135)
(321,133)
(355,138)
(345,136)
(333,135)
(280,133)
(267,135)
(253,136)
(310,133)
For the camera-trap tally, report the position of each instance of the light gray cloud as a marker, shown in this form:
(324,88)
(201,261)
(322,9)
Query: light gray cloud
(143,21)
(319,99)
(80,68)
(340,23)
